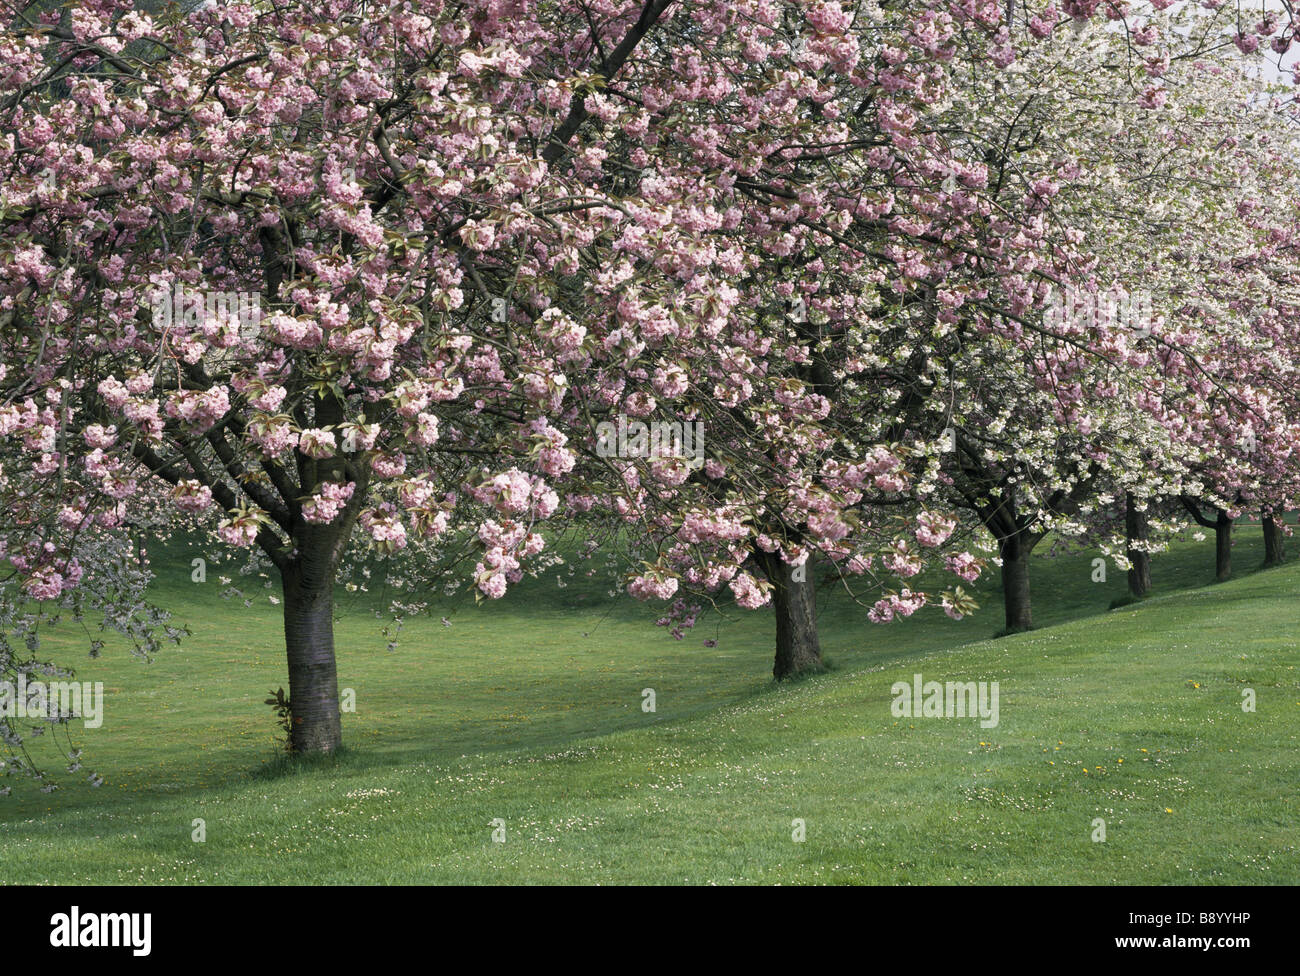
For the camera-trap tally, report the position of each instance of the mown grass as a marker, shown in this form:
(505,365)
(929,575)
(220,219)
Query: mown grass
(528,712)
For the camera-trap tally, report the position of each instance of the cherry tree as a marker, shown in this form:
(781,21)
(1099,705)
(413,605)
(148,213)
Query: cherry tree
(246,256)
(757,357)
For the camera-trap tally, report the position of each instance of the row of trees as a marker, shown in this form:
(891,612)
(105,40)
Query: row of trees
(935,280)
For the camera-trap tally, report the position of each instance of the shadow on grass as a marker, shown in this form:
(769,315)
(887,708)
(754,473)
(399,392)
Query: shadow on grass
(284,765)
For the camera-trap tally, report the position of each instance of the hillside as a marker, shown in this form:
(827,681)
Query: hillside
(530,711)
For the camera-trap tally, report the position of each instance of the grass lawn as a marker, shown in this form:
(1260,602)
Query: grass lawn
(528,711)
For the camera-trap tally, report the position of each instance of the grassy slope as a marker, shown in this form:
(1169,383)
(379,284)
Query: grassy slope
(529,710)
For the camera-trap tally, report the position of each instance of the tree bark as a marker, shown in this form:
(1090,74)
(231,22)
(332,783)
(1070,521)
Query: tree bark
(1135,529)
(1222,547)
(1273,541)
(1015,582)
(308,586)
(798,651)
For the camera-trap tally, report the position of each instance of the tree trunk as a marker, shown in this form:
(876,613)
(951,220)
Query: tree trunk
(1015,582)
(798,650)
(1222,547)
(1135,528)
(309,638)
(1273,541)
